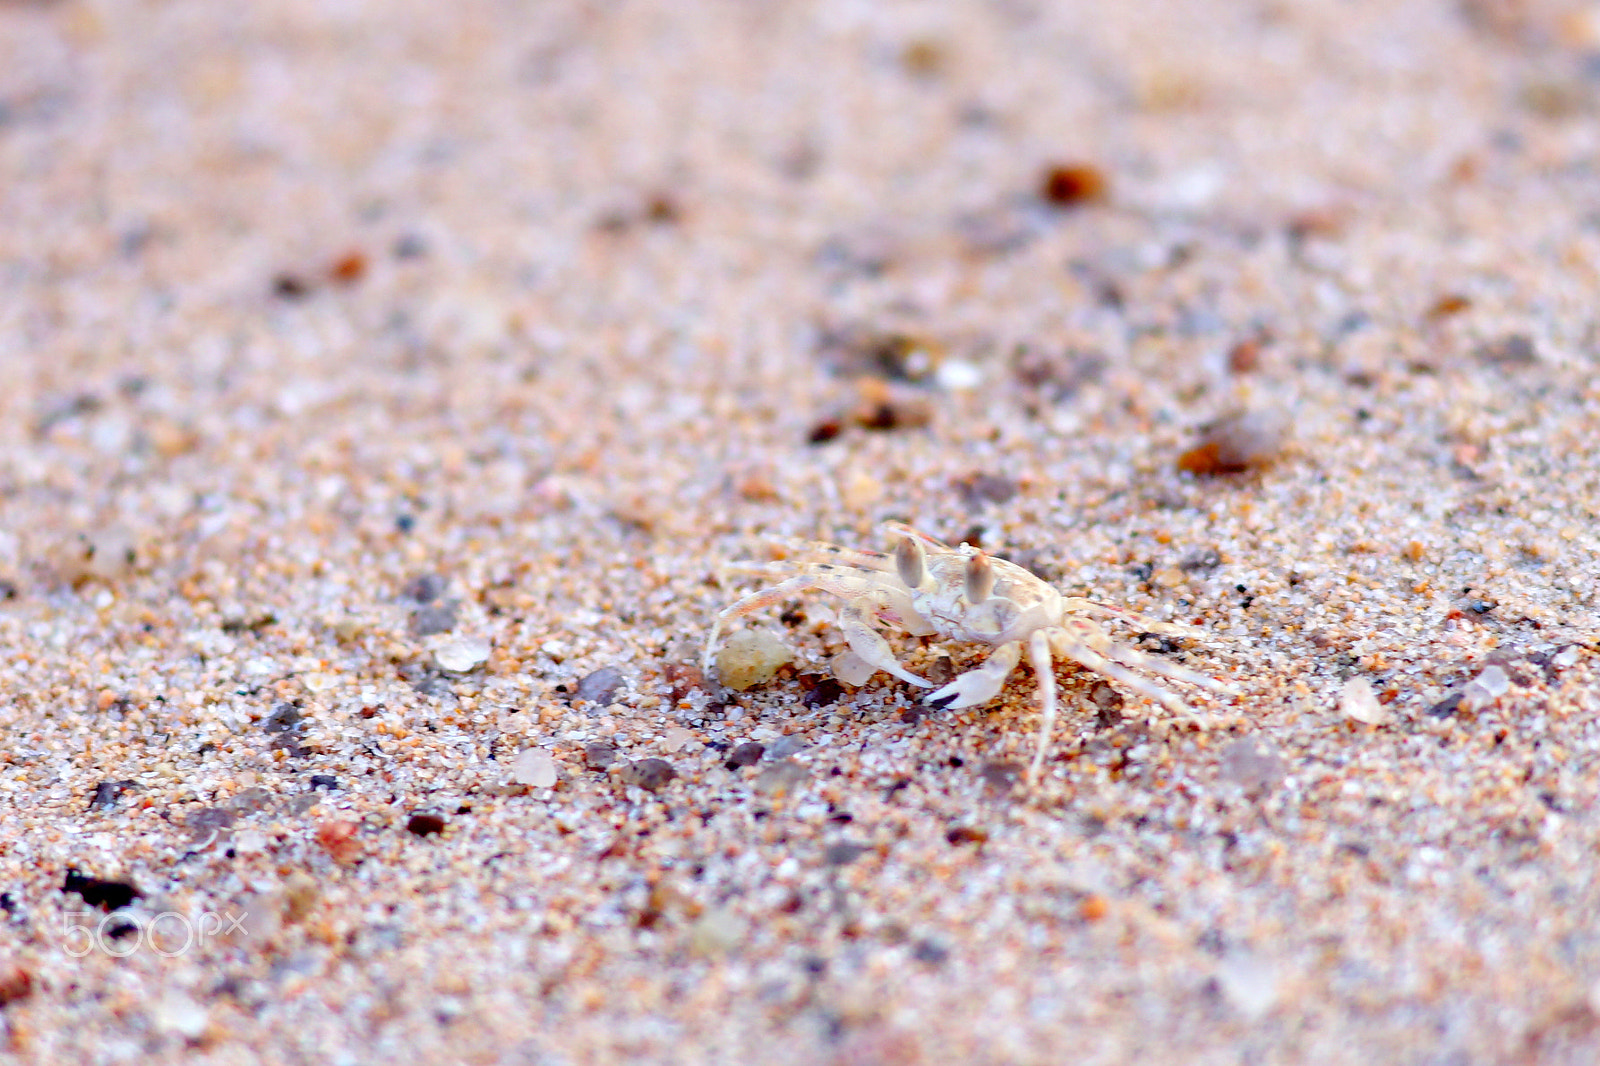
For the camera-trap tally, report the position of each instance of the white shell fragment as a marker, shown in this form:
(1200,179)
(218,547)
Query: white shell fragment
(1487,687)
(851,669)
(1357,701)
(534,768)
(463,654)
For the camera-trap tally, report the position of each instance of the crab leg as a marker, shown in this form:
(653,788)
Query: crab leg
(1044,673)
(869,644)
(749,605)
(1067,644)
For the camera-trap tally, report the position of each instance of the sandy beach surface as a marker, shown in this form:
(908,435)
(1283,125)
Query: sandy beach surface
(392,394)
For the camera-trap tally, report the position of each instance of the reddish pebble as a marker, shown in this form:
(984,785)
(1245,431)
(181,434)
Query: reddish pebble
(338,839)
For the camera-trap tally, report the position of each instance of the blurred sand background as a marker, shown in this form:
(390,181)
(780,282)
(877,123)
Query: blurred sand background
(385,388)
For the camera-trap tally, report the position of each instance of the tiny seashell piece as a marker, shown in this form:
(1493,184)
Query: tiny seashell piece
(1357,701)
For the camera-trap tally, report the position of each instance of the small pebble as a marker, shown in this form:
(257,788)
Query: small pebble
(781,777)
(786,746)
(462,654)
(1357,701)
(747,754)
(434,618)
(1249,983)
(980,489)
(1000,776)
(252,800)
(599,756)
(1513,349)
(208,820)
(717,932)
(16,983)
(825,693)
(179,1014)
(425,824)
(600,687)
(1487,687)
(324,781)
(338,838)
(284,717)
(1449,705)
(1237,443)
(649,774)
(535,768)
(676,738)
(751,657)
(424,588)
(1251,766)
(958,375)
(1073,185)
(851,669)
(843,853)
(106,794)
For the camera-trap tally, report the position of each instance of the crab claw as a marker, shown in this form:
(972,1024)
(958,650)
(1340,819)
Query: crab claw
(980,685)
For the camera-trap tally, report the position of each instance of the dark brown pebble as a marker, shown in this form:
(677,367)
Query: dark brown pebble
(1073,185)
(661,209)
(107,895)
(825,693)
(747,754)
(824,431)
(1108,705)
(684,679)
(1245,357)
(967,834)
(324,781)
(650,774)
(106,794)
(425,824)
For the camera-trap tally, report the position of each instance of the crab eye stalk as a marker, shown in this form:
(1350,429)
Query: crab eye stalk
(908,560)
(980,578)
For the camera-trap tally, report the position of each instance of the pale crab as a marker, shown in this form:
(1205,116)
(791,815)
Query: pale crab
(926,588)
